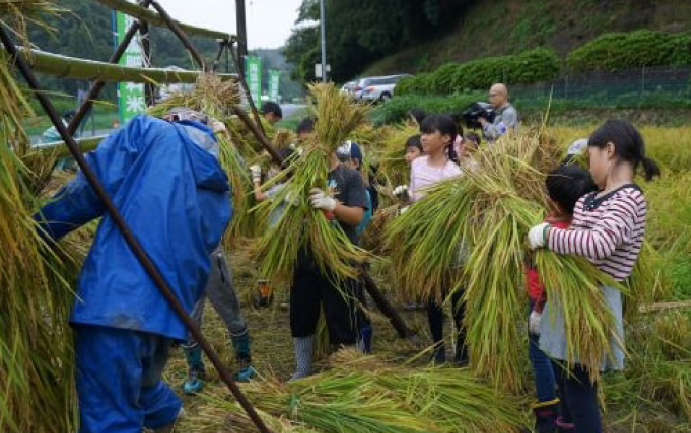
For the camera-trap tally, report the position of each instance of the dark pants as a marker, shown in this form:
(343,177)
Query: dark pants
(309,292)
(435,318)
(579,403)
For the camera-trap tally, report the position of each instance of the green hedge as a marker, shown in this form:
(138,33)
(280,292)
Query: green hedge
(396,110)
(619,51)
(528,67)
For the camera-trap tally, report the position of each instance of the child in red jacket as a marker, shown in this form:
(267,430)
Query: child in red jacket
(565,186)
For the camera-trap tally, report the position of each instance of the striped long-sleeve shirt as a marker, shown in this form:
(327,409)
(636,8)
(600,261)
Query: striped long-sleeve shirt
(607,230)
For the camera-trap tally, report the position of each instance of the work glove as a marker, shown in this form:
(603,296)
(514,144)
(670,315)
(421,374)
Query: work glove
(256,173)
(534,323)
(537,236)
(401,193)
(402,209)
(321,200)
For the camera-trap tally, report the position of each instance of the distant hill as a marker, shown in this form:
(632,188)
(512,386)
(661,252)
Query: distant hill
(495,27)
(87,31)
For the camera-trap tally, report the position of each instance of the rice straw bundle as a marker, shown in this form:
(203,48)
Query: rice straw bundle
(213,97)
(36,359)
(301,226)
(368,394)
(393,170)
(483,217)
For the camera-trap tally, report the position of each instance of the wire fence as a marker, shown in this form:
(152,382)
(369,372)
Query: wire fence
(647,85)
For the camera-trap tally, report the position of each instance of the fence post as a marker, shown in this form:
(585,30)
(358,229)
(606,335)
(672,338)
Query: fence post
(642,84)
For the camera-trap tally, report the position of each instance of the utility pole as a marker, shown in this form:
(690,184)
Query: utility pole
(323,32)
(241,31)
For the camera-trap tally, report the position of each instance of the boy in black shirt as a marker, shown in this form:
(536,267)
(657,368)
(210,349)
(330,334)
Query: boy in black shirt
(311,289)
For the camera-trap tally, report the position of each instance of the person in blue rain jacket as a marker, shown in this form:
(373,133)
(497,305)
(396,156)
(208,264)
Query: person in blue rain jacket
(165,179)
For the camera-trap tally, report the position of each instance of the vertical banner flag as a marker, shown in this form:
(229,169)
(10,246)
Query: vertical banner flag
(253,72)
(130,95)
(274,81)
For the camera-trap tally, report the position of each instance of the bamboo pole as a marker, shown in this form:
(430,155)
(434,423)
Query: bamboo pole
(157,21)
(71,67)
(131,241)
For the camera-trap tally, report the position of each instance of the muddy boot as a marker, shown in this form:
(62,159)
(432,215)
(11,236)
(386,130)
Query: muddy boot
(546,414)
(243,358)
(196,373)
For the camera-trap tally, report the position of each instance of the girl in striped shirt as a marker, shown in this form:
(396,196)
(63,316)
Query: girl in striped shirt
(607,229)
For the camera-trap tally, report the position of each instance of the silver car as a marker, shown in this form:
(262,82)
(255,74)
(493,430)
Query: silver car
(376,89)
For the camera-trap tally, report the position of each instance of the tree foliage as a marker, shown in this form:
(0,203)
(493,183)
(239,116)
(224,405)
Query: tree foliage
(360,31)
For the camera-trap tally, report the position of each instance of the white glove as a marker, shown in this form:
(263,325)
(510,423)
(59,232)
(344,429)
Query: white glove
(403,209)
(537,236)
(219,127)
(534,323)
(401,192)
(321,200)
(256,173)
(291,199)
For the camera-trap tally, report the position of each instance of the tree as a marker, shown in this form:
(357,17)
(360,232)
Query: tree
(362,31)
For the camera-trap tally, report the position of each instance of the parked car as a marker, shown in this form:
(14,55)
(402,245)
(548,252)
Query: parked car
(348,87)
(375,89)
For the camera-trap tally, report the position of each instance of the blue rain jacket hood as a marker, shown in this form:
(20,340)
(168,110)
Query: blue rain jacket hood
(173,195)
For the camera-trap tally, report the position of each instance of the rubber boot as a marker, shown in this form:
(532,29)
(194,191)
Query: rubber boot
(439,354)
(196,373)
(303,357)
(243,358)
(461,356)
(365,340)
(546,414)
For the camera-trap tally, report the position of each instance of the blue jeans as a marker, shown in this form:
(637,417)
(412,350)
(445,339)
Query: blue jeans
(545,383)
(119,382)
(579,404)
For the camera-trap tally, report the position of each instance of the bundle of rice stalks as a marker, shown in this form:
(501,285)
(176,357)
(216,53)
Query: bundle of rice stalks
(393,170)
(301,227)
(36,359)
(469,234)
(372,238)
(368,394)
(214,97)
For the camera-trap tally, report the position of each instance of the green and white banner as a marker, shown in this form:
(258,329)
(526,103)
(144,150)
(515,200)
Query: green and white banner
(130,95)
(253,74)
(274,83)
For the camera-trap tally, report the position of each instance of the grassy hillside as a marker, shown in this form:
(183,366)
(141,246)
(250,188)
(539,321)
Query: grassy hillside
(495,27)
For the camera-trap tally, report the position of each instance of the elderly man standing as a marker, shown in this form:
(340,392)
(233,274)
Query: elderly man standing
(506,119)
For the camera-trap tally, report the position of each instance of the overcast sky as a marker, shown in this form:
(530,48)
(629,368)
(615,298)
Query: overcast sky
(268,21)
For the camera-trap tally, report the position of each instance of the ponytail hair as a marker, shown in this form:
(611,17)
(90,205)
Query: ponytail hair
(650,168)
(628,145)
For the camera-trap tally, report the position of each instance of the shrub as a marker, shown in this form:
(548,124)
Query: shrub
(619,51)
(528,67)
